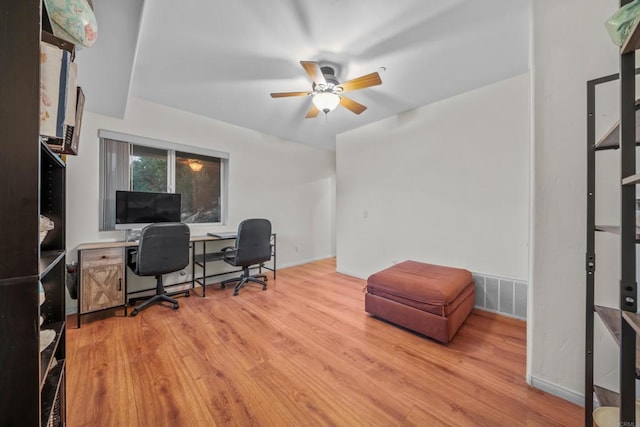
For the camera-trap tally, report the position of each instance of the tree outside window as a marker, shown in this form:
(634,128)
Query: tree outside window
(198,180)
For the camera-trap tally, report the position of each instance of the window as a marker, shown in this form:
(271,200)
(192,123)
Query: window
(198,180)
(148,169)
(141,164)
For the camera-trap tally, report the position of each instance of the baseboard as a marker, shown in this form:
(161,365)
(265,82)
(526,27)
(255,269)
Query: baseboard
(556,390)
(349,273)
(303,261)
(499,313)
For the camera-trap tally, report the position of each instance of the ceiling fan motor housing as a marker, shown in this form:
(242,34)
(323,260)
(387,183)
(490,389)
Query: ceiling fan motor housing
(329,74)
(328,71)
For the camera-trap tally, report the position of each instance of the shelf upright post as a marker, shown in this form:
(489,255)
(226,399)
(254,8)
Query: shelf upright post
(628,286)
(590,256)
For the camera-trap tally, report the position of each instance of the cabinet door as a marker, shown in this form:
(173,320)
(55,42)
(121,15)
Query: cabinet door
(102,287)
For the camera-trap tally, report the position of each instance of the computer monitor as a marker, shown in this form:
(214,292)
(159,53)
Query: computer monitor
(136,209)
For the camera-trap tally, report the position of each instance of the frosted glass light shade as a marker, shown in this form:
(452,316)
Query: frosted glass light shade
(326,101)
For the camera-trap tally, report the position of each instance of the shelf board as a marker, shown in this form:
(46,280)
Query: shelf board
(611,318)
(46,356)
(632,319)
(208,257)
(631,180)
(633,41)
(53,156)
(48,260)
(611,139)
(607,397)
(615,229)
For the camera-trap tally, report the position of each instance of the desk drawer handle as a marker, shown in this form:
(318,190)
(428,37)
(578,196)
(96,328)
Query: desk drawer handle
(119,284)
(103,257)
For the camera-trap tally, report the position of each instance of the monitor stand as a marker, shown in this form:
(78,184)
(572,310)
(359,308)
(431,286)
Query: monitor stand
(131,235)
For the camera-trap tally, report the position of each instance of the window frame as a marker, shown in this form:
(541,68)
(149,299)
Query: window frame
(171,148)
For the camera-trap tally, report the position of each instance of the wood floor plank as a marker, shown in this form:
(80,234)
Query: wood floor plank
(104,389)
(304,352)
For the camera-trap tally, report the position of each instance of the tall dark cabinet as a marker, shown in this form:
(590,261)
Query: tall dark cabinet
(623,321)
(32,182)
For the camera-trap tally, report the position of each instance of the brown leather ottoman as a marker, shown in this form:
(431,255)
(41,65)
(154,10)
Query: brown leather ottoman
(430,299)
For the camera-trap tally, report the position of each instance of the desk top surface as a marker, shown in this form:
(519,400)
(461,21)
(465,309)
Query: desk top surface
(123,244)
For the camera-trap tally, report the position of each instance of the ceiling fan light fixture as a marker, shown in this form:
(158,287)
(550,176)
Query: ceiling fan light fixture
(326,101)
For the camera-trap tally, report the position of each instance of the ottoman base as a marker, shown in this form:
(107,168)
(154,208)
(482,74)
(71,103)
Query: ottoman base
(440,328)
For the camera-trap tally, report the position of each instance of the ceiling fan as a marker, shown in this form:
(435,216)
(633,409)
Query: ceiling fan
(327,92)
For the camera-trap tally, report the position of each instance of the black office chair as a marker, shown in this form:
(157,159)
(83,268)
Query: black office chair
(163,248)
(253,247)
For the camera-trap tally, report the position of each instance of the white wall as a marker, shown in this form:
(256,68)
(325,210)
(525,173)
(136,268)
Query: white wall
(291,184)
(447,183)
(570,46)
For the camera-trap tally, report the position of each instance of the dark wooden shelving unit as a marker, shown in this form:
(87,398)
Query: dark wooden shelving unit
(621,322)
(32,183)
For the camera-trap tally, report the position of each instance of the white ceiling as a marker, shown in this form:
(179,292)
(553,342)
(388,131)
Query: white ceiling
(222,59)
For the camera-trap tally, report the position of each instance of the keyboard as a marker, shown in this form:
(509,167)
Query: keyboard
(224,234)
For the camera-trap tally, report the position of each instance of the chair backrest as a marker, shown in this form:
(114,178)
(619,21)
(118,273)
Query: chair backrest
(163,248)
(253,244)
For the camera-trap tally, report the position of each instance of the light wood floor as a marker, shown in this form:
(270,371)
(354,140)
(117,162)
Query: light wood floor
(302,353)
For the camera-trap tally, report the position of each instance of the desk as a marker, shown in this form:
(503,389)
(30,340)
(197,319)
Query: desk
(204,257)
(102,278)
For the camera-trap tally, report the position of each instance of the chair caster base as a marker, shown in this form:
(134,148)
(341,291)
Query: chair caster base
(134,313)
(264,288)
(176,306)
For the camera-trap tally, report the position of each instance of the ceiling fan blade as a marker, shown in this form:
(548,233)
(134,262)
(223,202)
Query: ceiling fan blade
(352,105)
(313,69)
(361,82)
(285,94)
(313,112)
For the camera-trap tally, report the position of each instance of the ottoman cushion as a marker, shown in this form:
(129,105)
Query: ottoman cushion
(428,287)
